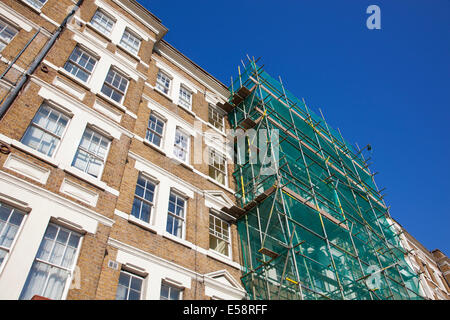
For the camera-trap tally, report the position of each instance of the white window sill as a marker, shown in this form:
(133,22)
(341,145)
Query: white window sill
(217,182)
(155,147)
(214,181)
(178,240)
(63,71)
(181,162)
(222,258)
(89,179)
(187,110)
(37,154)
(214,128)
(118,105)
(163,93)
(131,54)
(106,37)
(145,225)
(38,11)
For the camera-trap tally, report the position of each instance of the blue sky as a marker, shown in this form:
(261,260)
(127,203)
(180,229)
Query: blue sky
(389,88)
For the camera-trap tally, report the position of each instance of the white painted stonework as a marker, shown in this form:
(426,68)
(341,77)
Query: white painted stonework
(27,168)
(44,206)
(155,270)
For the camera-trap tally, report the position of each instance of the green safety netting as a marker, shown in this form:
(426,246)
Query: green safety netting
(316,228)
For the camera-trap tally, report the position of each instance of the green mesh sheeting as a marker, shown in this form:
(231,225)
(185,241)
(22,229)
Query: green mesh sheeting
(316,228)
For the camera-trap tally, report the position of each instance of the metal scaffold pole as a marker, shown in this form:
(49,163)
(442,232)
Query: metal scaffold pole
(315,227)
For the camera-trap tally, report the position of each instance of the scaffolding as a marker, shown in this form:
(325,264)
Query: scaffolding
(317,227)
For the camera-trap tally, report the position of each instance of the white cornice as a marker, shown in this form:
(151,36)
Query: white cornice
(178,59)
(143,15)
(10,179)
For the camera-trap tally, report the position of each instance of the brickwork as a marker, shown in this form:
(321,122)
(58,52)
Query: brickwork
(115,188)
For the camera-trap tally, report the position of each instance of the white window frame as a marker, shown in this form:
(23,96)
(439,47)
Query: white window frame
(171,287)
(153,132)
(160,86)
(175,216)
(178,147)
(127,45)
(185,103)
(70,270)
(211,165)
(38,5)
(94,155)
(9,249)
(55,108)
(117,72)
(7,26)
(91,56)
(150,203)
(213,109)
(132,275)
(99,27)
(213,233)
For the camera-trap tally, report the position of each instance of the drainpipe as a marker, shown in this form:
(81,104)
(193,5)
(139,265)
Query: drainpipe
(12,96)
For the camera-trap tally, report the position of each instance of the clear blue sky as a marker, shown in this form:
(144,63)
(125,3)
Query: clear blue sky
(388,87)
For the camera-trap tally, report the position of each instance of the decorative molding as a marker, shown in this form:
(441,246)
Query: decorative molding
(10,179)
(79,192)
(27,168)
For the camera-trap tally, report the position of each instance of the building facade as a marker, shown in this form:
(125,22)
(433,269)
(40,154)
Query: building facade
(115,183)
(432,267)
(101,194)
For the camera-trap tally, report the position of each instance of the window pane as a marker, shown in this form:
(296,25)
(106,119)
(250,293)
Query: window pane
(169,226)
(134,295)
(94,167)
(215,117)
(174,294)
(55,283)
(45,131)
(124,279)
(8,234)
(145,212)
(92,162)
(7,33)
(38,4)
(122,293)
(115,85)
(185,97)
(169,293)
(181,145)
(136,284)
(69,255)
(102,22)
(2,256)
(130,42)
(136,209)
(163,82)
(164,292)
(154,130)
(35,281)
(129,287)
(80,64)
(47,280)
(219,235)
(10,221)
(81,160)
(144,193)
